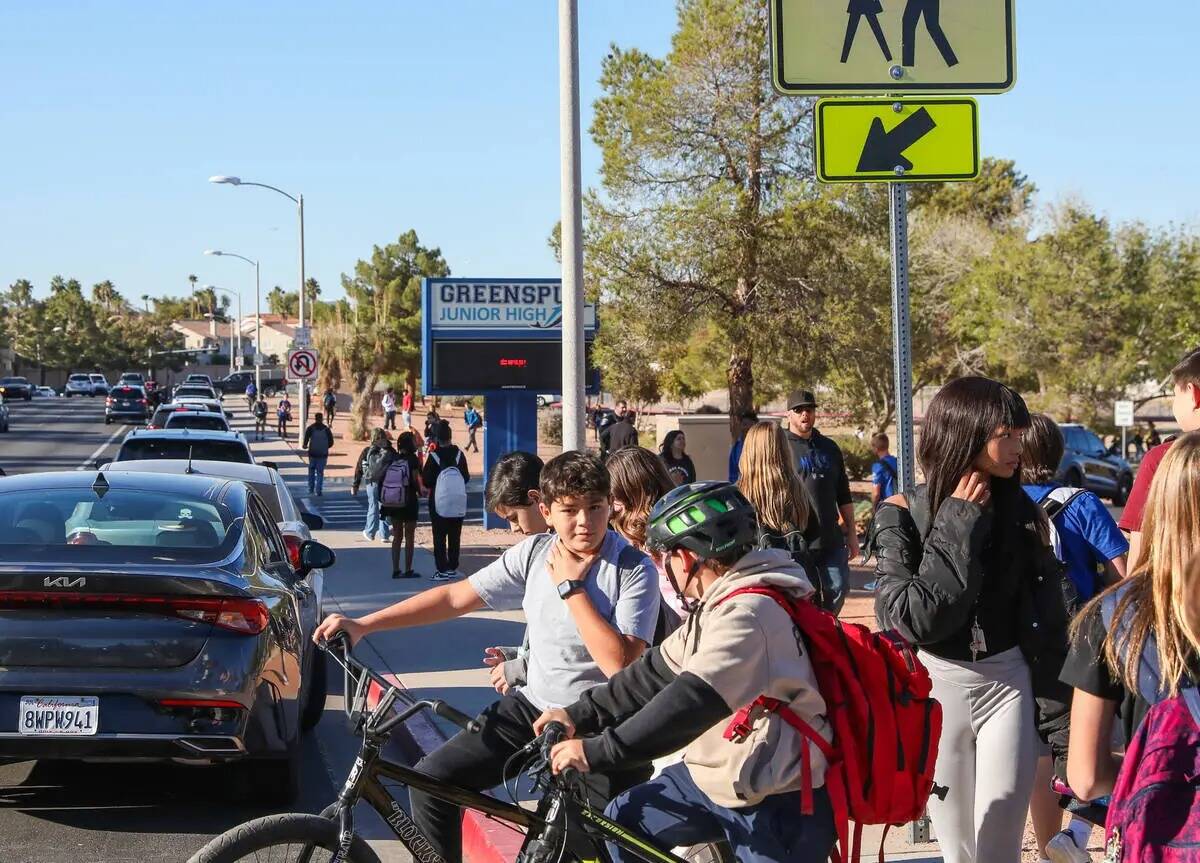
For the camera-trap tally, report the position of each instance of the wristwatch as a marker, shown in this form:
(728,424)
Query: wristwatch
(569,587)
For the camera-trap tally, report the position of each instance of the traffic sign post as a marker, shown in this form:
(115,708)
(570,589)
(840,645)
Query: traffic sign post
(302,365)
(902,336)
(823,47)
(1123,419)
(888,140)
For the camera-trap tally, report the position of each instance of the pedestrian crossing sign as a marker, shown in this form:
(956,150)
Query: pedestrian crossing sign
(880,47)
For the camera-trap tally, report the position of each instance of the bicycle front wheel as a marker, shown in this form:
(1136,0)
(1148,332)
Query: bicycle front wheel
(289,838)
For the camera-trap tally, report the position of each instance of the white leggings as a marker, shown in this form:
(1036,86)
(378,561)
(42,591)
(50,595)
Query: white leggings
(987,756)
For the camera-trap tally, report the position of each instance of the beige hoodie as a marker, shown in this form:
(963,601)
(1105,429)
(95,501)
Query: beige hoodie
(744,648)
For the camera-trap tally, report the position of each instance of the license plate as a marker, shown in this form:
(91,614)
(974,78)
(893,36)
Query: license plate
(75,715)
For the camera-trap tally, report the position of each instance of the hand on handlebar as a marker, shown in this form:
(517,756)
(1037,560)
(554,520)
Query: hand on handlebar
(554,714)
(568,755)
(335,623)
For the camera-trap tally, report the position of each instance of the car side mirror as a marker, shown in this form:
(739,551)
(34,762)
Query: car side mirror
(311,520)
(314,555)
(101,462)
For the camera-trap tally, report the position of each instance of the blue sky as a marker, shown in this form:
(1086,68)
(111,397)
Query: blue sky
(443,117)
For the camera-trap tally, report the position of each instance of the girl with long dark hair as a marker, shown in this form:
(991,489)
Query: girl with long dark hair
(966,573)
(674,455)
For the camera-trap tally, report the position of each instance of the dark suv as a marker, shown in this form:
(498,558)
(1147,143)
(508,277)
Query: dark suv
(236,383)
(1088,464)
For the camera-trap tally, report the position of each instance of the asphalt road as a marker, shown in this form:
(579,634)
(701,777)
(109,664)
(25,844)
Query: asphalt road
(57,434)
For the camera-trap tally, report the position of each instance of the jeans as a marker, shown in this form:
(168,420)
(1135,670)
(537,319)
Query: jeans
(374,522)
(477,761)
(447,534)
(471,442)
(316,472)
(673,811)
(389,420)
(834,569)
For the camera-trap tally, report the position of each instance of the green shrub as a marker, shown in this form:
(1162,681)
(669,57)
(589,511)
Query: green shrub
(550,427)
(857,454)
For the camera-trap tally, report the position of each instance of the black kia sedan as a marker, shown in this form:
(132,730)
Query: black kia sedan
(153,616)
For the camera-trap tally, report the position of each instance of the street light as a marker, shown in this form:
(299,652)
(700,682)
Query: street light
(239,329)
(257,313)
(298,200)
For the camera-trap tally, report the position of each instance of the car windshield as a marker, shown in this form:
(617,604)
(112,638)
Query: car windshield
(125,526)
(13,381)
(139,449)
(191,420)
(98,378)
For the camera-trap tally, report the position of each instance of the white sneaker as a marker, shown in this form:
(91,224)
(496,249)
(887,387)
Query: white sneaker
(443,576)
(386,540)
(368,537)
(1062,849)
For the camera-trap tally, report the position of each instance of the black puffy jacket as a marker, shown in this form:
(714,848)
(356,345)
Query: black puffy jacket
(936,575)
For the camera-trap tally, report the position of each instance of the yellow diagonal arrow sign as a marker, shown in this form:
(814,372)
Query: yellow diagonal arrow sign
(896,140)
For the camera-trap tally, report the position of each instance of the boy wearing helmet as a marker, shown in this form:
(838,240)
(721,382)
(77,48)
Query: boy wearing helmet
(745,787)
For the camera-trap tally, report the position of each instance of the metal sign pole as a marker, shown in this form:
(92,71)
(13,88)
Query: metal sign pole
(902,335)
(572,228)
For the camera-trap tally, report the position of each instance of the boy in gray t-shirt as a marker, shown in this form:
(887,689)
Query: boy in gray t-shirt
(591,601)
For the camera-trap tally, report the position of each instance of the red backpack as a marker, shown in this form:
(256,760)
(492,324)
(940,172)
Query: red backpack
(885,724)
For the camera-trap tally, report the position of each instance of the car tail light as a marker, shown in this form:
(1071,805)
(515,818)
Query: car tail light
(236,614)
(143,402)
(201,702)
(293,544)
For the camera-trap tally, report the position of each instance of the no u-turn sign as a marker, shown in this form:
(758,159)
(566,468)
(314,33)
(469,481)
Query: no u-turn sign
(302,364)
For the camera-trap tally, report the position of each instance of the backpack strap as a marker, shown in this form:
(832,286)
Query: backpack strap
(1056,502)
(539,542)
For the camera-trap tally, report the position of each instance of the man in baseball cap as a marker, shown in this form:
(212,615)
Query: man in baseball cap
(822,469)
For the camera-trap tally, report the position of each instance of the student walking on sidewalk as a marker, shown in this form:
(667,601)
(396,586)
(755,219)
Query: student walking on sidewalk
(283,414)
(399,493)
(388,403)
(474,423)
(368,468)
(966,572)
(445,474)
(318,441)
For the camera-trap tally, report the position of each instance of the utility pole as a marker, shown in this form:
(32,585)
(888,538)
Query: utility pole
(572,227)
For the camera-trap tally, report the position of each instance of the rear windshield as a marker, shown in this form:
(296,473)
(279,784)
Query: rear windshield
(127,525)
(82,379)
(127,392)
(160,417)
(140,449)
(185,420)
(97,378)
(201,392)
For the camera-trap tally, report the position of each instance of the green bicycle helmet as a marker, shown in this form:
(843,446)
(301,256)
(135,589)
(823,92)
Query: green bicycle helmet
(711,519)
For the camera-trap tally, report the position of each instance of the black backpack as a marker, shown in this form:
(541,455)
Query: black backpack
(796,546)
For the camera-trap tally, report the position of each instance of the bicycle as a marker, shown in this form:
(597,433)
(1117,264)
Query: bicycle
(564,828)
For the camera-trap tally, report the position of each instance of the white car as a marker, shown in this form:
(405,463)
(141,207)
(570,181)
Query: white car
(183,445)
(45,393)
(79,385)
(99,384)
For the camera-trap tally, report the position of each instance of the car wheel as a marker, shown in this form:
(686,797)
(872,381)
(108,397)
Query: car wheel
(1124,487)
(318,687)
(270,781)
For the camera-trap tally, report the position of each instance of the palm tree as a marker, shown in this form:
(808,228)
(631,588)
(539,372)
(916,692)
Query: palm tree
(193,279)
(146,300)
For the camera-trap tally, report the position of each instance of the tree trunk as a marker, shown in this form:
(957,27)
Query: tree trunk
(360,407)
(741,385)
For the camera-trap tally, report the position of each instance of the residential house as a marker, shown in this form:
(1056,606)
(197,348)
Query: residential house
(277,334)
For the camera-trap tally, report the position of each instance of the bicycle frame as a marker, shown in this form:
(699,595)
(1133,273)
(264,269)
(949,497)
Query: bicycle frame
(563,822)
(586,830)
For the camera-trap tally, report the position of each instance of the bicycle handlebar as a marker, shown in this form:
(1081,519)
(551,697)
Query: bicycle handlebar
(466,723)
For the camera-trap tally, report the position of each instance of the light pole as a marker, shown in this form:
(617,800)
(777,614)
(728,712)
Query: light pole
(239,329)
(573,350)
(257,313)
(298,200)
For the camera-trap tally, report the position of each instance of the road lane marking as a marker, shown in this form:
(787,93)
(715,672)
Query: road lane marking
(88,463)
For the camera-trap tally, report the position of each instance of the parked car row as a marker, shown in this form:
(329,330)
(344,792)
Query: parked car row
(161,607)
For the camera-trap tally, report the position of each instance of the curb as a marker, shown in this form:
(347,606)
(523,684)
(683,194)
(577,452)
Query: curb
(483,839)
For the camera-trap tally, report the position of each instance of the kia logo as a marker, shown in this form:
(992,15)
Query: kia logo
(63,581)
